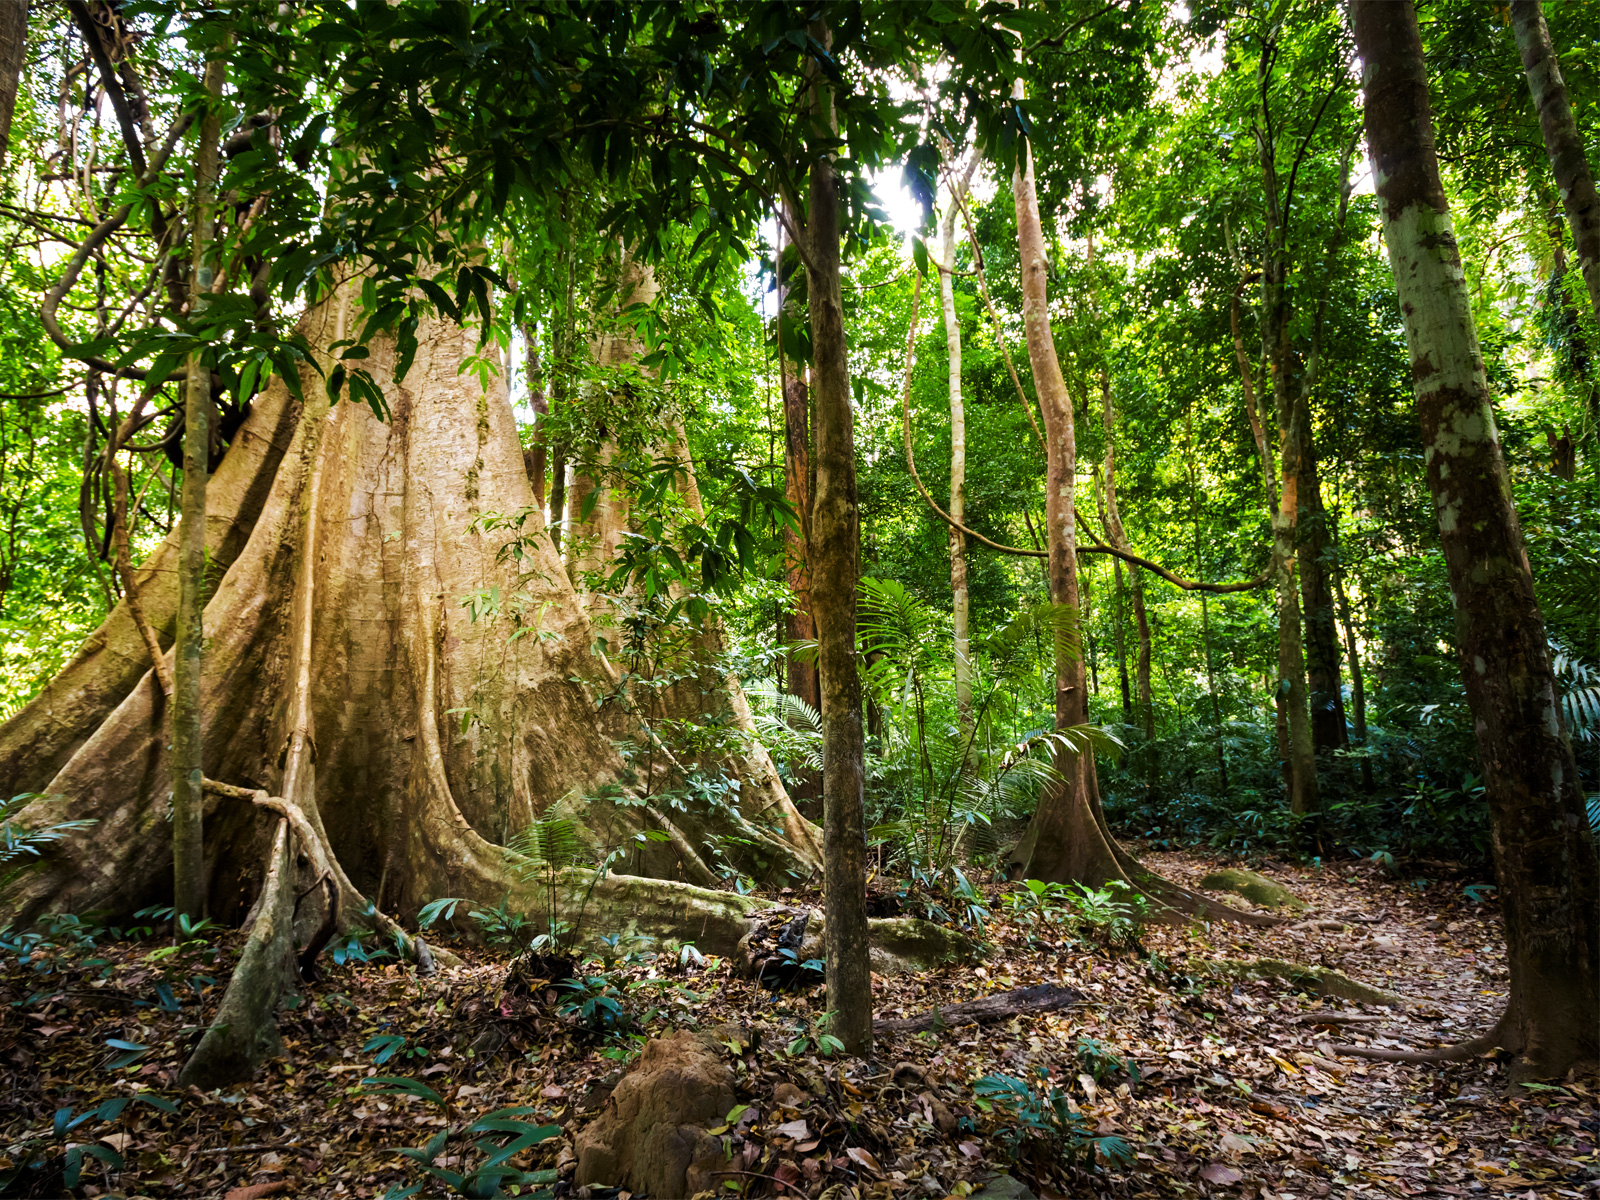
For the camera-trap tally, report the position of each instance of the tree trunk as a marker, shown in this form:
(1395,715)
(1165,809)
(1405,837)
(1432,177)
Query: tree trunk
(1562,141)
(188,804)
(834,555)
(598,507)
(13,56)
(1121,640)
(536,456)
(1358,685)
(340,629)
(1291,686)
(1549,878)
(1118,536)
(1314,552)
(960,606)
(800,669)
(1275,354)
(1068,840)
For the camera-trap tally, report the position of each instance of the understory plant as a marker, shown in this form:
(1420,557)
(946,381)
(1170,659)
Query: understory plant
(495,1139)
(1040,1121)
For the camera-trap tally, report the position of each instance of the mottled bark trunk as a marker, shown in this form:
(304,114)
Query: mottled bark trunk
(834,555)
(188,805)
(1067,840)
(1291,683)
(800,669)
(960,604)
(13,55)
(1562,141)
(1549,878)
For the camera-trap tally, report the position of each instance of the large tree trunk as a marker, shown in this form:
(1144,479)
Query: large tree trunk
(1562,140)
(834,555)
(341,630)
(1549,878)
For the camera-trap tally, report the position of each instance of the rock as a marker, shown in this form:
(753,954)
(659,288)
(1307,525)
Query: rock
(651,1137)
(1256,888)
(1003,1187)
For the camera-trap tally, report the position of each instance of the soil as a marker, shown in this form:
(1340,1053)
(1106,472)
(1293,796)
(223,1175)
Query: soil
(1240,1087)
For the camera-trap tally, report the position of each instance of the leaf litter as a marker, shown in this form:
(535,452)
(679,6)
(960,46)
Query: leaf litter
(1186,1082)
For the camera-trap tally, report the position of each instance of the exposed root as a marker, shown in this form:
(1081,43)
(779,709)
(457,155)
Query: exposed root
(1321,980)
(244,1033)
(1456,1053)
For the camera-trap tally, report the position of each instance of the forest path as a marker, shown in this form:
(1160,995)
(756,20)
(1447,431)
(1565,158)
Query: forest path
(1240,1090)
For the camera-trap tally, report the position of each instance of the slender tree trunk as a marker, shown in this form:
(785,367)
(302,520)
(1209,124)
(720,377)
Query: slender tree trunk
(959,602)
(535,455)
(1358,686)
(834,555)
(799,625)
(13,56)
(188,802)
(1122,646)
(1119,538)
(1549,877)
(1314,552)
(561,341)
(1068,838)
(1562,140)
(1291,655)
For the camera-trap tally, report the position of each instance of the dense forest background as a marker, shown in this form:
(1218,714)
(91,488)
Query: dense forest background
(1154,199)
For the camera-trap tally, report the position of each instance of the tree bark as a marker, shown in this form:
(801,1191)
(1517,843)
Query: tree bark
(13,56)
(1358,683)
(340,634)
(536,456)
(1314,553)
(960,604)
(1549,878)
(188,804)
(834,555)
(1066,841)
(1562,141)
(1112,520)
(800,670)
(1291,685)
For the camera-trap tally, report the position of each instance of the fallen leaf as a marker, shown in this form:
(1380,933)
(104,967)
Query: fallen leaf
(798,1130)
(1235,1144)
(864,1158)
(255,1191)
(1220,1173)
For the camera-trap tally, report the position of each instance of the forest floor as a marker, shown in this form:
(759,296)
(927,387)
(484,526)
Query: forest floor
(1240,1089)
